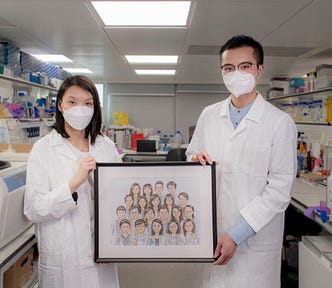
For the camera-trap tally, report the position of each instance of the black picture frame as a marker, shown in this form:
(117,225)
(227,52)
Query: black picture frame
(195,242)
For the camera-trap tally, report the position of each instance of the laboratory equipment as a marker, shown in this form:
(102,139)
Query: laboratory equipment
(12,187)
(315,261)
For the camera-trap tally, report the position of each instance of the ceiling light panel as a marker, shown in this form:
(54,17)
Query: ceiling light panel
(143,13)
(154,72)
(78,70)
(52,58)
(152,59)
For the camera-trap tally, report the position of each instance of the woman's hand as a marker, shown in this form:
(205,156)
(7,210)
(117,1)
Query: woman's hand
(87,164)
(202,157)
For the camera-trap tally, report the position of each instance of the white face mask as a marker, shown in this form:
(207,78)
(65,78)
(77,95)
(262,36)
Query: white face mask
(78,117)
(239,83)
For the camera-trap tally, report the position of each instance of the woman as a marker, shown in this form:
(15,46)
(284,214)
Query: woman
(58,194)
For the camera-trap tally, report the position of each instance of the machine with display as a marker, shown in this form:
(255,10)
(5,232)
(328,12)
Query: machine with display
(12,187)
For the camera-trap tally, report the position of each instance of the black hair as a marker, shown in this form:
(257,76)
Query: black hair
(94,127)
(245,41)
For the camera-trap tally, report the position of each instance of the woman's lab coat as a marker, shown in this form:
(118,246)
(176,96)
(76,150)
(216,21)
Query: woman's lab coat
(256,166)
(63,229)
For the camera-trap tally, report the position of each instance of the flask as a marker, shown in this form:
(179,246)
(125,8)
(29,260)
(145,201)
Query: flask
(178,137)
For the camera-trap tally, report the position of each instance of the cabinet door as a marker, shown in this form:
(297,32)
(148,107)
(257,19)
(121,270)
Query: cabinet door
(313,272)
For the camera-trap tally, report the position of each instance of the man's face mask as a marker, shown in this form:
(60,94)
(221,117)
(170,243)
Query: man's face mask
(239,83)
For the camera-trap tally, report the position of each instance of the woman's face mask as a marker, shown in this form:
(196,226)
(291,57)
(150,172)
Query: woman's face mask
(239,83)
(78,117)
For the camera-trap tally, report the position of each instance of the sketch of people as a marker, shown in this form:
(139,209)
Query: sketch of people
(149,216)
(135,192)
(183,199)
(155,204)
(171,188)
(177,214)
(133,216)
(140,238)
(147,191)
(159,189)
(157,238)
(124,238)
(120,215)
(174,234)
(190,237)
(163,216)
(129,202)
(142,205)
(189,215)
(169,203)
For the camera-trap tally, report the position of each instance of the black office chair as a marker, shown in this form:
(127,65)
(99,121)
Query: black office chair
(176,154)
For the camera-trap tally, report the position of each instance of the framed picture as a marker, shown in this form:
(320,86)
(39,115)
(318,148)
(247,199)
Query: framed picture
(155,212)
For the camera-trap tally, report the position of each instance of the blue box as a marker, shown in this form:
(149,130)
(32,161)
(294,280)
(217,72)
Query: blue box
(296,82)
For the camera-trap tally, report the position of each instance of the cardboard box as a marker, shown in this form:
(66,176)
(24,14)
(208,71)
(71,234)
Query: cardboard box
(18,147)
(19,273)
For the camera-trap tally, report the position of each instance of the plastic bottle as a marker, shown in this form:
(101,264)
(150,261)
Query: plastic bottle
(157,137)
(178,137)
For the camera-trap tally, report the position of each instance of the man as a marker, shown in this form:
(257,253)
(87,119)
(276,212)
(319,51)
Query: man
(254,146)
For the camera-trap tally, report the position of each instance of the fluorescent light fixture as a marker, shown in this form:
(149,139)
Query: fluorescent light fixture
(143,13)
(155,72)
(52,58)
(78,70)
(138,59)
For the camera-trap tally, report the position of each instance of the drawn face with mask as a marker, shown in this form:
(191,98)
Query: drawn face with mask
(240,70)
(77,107)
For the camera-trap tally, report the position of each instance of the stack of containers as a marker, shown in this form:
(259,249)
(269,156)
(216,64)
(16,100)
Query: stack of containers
(323,76)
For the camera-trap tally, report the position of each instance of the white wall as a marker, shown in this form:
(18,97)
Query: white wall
(164,107)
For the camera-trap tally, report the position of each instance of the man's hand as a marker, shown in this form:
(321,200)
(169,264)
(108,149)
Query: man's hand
(202,157)
(225,249)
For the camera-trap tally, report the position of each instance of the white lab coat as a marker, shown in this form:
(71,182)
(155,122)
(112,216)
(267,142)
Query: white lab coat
(63,229)
(256,166)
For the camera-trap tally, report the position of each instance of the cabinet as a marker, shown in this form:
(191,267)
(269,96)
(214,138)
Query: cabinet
(310,108)
(28,128)
(17,262)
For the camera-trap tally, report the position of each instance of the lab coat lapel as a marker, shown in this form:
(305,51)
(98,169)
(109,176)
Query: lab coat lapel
(254,114)
(58,142)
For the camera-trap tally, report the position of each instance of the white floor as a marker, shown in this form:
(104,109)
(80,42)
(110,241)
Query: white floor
(157,275)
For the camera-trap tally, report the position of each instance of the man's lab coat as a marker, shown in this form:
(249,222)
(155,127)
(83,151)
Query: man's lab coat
(256,166)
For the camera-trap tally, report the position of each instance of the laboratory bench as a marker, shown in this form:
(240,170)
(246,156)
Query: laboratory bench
(306,194)
(315,252)
(133,156)
(16,258)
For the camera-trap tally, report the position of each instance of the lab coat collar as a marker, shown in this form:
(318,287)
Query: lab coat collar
(255,113)
(58,142)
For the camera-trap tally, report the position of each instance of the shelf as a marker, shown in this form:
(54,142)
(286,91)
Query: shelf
(21,81)
(300,94)
(315,123)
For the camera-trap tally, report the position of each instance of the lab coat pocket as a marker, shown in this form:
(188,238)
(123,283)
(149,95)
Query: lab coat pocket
(258,157)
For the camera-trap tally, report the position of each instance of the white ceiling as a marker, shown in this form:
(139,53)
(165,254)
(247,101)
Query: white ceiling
(296,35)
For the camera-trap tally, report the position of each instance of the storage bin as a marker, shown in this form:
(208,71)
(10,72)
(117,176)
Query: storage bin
(323,76)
